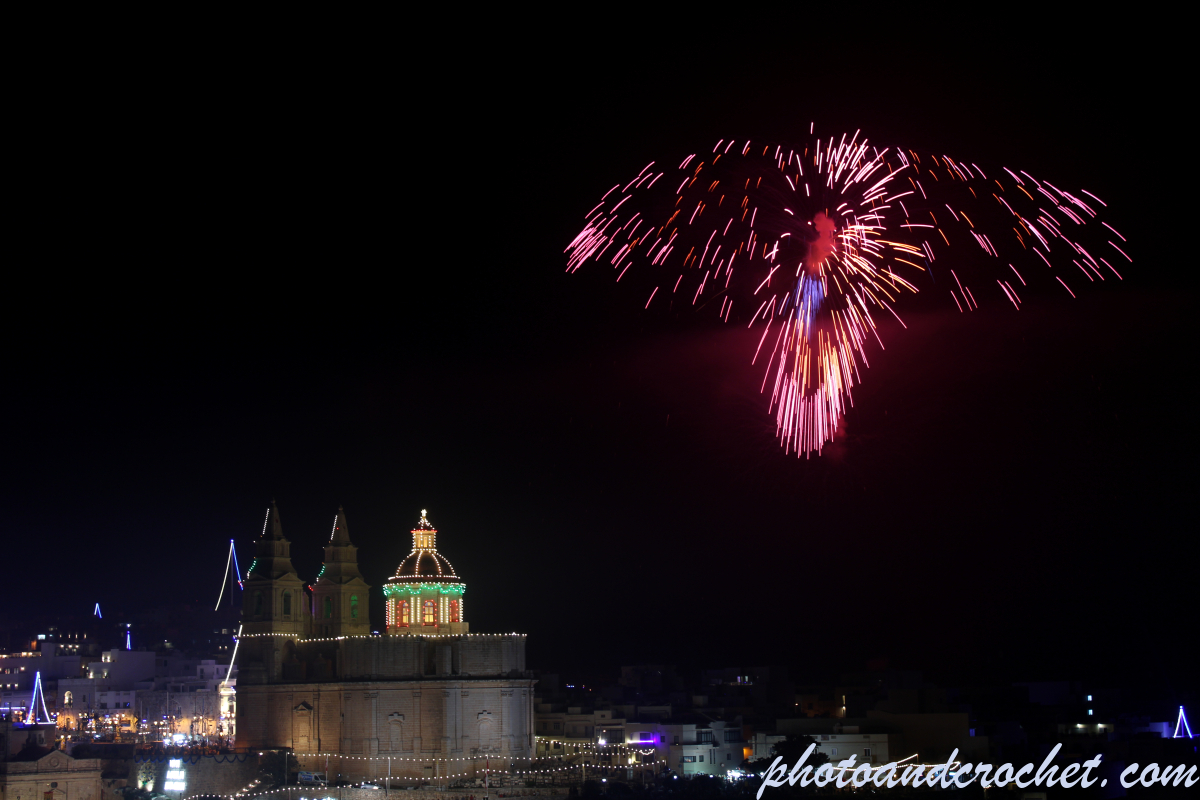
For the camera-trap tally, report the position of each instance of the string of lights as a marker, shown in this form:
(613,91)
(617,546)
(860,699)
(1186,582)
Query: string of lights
(416,588)
(598,746)
(371,783)
(303,640)
(481,757)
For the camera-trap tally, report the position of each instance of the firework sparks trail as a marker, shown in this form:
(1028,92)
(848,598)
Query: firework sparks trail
(823,237)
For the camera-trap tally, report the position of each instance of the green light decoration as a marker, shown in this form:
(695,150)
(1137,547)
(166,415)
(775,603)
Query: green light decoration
(322,572)
(390,589)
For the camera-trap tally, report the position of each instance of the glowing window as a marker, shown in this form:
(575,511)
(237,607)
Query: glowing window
(454,611)
(353,606)
(405,613)
(430,612)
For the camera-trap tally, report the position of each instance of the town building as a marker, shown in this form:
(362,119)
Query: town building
(18,672)
(867,748)
(31,769)
(424,697)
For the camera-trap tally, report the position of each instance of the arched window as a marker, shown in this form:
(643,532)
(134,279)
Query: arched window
(430,613)
(353,606)
(68,699)
(405,613)
(328,608)
(258,604)
(454,611)
(287,604)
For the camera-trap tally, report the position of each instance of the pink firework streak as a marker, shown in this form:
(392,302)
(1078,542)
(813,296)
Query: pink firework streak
(823,237)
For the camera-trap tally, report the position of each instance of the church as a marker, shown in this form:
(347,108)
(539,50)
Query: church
(426,698)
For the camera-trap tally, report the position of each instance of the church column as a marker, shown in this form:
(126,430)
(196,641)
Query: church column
(505,726)
(372,744)
(417,719)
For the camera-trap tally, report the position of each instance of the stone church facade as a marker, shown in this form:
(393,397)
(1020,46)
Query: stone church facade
(428,697)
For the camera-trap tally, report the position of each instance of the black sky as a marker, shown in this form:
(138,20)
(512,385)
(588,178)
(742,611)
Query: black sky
(334,274)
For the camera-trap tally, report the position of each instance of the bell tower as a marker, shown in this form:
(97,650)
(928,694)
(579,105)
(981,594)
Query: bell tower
(340,606)
(275,606)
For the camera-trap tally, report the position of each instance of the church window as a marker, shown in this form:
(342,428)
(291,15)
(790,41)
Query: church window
(405,613)
(287,604)
(353,606)
(328,608)
(430,612)
(454,611)
(258,604)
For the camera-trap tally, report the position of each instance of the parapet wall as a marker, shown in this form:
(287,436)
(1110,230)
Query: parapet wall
(407,657)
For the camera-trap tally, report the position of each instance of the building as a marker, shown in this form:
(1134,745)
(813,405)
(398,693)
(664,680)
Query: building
(867,748)
(18,671)
(425,697)
(104,696)
(30,769)
(140,695)
(883,736)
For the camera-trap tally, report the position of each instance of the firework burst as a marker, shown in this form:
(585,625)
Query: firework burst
(824,237)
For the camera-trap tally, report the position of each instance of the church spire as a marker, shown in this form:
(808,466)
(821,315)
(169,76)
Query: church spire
(273,529)
(340,594)
(274,594)
(340,533)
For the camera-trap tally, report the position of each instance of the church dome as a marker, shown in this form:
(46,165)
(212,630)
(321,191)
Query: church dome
(424,564)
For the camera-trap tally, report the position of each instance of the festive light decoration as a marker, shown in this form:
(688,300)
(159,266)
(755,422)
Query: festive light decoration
(236,641)
(291,789)
(835,211)
(398,589)
(418,597)
(303,640)
(236,570)
(1182,720)
(176,778)
(230,560)
(424,544)
(37,702)
(96,612)
(600,746)
(254,561)
(460,759)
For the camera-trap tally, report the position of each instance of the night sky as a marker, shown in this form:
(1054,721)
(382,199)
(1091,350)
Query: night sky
(340,279)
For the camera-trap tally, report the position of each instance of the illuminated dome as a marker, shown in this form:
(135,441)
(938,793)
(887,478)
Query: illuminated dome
(425,595)
(424,564)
